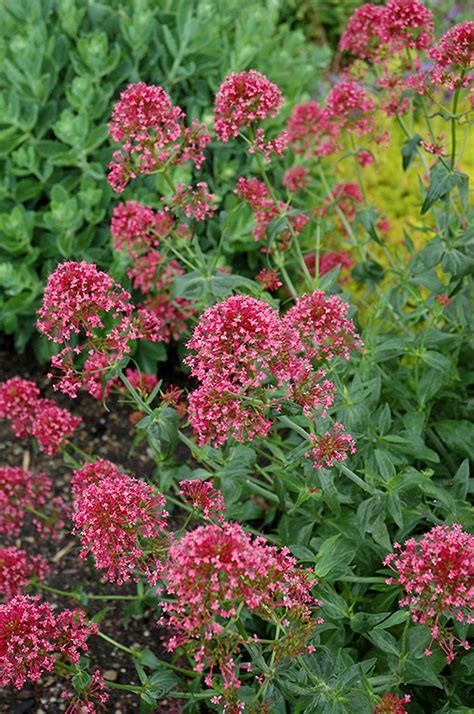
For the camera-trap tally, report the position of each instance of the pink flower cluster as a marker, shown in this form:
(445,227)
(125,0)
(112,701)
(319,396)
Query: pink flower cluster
(375,31)
(256,194)
(437,574)
(214,571)
(17,568)
(329,261)
(120,521)
(323,327)
(81,300)
(268,279)
(195,202)
(319,131)
(251,361)
(31,415)
(32,636)
(296,178)
(153,133)
(137,229)
(243,100)
(392,704)
(23,492)
(86,699)
(332,447)
(205,498)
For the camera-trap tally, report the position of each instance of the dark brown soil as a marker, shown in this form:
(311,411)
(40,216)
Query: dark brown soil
(107,435)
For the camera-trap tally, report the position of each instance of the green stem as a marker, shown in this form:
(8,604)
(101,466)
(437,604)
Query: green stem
(288,422)
(142,405)
(342,218)
(289,282)
(295,241)
(81,452)
(118,645)
(123,687)
(258,488)
(357,480)
(453,124)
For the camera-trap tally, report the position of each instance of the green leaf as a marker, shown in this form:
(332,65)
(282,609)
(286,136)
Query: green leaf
(384,641)
(461,481)
(442,182)
(458,435)
(409,150)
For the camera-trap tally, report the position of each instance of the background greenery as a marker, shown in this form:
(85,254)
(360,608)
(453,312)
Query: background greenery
(62,64)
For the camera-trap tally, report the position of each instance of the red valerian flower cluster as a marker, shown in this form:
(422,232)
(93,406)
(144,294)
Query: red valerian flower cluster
(31,415)
(205,498)
(392,704)
(86,699)
(80,300)
(153,133)
(268,279)
(215,571)
(137,230)
(323,327)
(250,361)
(17,568)
(32,636)
(244,100)
(374,31)
(437,574)
(332,447)
(120,520)
(21,494)
(256,194)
